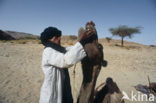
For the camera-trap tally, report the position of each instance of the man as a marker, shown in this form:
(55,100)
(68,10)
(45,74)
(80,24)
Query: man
(55,61)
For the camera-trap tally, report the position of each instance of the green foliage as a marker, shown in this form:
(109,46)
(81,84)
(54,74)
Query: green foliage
(124,31)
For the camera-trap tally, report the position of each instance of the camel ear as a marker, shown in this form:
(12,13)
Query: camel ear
(104,63)
(81,31)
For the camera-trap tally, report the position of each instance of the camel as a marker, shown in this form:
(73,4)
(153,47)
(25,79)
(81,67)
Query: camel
(108,93)
(152,87)
(91,66)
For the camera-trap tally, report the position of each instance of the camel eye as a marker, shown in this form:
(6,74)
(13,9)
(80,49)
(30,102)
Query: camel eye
(88,29)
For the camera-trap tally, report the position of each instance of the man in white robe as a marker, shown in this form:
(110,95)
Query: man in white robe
(55,61)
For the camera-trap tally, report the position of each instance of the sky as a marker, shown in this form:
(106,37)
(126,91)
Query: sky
(33,16)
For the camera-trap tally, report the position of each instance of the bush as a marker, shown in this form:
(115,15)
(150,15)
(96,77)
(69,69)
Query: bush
(21,41)
(108,39)
(70,42)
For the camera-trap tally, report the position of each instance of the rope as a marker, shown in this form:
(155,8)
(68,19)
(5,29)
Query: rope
(74,80)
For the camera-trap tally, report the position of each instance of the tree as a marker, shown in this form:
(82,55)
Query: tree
(108,39)
(124,31)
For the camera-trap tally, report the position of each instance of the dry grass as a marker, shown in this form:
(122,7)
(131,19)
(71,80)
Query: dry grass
(21,41)
(21,75)
(70,42)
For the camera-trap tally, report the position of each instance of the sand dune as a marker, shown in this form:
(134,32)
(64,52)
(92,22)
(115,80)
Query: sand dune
(21,75)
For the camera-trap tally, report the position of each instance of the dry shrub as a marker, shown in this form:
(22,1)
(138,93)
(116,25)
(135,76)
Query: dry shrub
(108,39)
(3,41)
(132,47)
(24,41)
(128,47)
(152,45)
(73,37)
(70,37)
(70,42)
(21,41)
(39,41)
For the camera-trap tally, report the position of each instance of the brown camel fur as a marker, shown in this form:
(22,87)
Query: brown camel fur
(108,93)
(91,66)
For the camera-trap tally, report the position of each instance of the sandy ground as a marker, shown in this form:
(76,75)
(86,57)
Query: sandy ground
(21,75)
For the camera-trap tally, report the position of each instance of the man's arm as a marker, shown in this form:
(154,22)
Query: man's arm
(60,60)
(68,48)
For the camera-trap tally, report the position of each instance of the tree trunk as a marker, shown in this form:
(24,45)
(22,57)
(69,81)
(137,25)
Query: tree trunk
(122,41)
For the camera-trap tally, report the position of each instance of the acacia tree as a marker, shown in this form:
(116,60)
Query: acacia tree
(124,31)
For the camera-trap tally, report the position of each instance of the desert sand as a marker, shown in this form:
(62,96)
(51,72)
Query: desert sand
(21,75)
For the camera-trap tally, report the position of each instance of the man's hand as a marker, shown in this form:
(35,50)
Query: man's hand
(89,34)
(87,37)
(84,35)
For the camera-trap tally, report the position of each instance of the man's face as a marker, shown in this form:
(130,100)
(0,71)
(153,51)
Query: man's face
(56,40)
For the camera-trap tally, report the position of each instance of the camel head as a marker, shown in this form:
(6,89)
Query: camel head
(93,49)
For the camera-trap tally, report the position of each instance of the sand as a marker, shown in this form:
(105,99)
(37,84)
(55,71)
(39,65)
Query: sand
(21,75)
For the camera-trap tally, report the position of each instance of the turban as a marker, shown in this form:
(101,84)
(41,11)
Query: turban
(49,33)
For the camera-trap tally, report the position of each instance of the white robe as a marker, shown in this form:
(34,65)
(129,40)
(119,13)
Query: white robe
(53,63)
